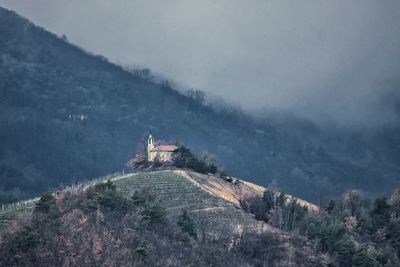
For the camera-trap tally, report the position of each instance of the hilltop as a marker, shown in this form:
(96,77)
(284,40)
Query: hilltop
(180,217)
(96,224)
(68,115)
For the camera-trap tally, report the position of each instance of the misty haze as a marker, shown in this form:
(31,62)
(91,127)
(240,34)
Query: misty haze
(199,133)
(336,60)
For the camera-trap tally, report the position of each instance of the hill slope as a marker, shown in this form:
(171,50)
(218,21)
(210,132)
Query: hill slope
(66,115)
(83,234)
(178,190)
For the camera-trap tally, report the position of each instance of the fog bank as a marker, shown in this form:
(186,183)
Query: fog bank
(337,60)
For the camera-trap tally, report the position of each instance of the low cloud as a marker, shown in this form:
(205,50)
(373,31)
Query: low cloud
(337,60)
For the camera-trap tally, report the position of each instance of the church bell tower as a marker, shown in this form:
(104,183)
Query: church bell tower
(150,146)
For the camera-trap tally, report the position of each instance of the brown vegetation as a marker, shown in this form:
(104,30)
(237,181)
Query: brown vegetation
(107,226)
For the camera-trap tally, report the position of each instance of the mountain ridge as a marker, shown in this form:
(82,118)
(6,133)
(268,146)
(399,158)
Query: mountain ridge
(68,115)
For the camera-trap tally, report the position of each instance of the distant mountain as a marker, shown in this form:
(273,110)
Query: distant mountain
(68,115)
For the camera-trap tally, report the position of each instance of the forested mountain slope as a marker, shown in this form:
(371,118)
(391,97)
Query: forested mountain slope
(66,115)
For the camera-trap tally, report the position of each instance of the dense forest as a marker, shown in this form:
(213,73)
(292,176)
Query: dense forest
(68,115)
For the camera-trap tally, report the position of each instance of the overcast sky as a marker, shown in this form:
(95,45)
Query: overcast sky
(337,59)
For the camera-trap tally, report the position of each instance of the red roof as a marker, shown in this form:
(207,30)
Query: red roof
(164,148)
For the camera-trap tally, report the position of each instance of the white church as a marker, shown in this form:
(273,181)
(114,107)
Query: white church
(162,152)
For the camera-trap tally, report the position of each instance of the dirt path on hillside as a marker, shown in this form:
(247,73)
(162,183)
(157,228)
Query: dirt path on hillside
(234,193)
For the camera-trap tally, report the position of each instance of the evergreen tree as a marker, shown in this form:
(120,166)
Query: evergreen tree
(47,205)
(362,258)
(269,199)
(380,213)
(187,224)
(393,235)
(344,251)
(331,206)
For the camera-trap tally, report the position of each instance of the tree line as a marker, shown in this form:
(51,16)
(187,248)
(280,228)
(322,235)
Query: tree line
(355,230)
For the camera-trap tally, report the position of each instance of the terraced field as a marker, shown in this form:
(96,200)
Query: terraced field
(176,191)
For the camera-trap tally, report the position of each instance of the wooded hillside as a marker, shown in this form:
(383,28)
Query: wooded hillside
(68,115)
